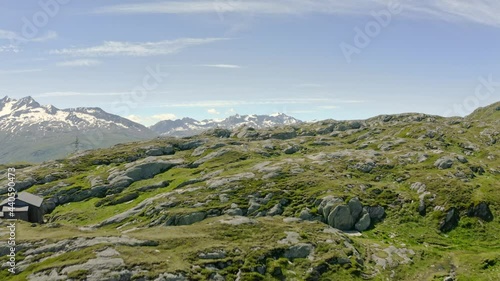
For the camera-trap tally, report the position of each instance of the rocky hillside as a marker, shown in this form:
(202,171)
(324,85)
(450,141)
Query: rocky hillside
(189,127)
(395,197)
(35,133)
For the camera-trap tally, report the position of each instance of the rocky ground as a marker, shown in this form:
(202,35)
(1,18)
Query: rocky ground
(394,197)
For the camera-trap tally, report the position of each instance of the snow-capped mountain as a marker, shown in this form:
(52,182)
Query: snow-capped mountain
(33,132)
(188,126)
(17,115)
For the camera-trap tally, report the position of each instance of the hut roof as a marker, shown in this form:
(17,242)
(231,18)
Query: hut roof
(28,198)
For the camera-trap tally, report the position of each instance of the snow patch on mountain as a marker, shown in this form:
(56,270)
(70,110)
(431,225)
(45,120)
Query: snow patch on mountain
(26,112)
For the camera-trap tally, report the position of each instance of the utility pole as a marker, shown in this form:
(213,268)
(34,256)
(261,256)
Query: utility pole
(76,144)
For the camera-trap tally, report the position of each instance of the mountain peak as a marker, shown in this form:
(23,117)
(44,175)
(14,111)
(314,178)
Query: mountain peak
(27,98)
(5,99)
(277,114)
(28,101)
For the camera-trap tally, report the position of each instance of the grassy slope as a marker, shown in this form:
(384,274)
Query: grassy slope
(472,250)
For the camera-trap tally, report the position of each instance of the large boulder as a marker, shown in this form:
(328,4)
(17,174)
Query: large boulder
(276,210)
(450,221)
(121,182)
(254,206)
(462,159)
(327,204)
(356,208)
(154,152)
(191,218)
(308,216)
(284,135)
(377,213)
(444,163)
(219,133)
(366,166)
(341,218)
(190,144)
(291,149)
(148,170)
(363,223)
(234,212)
(145,169)
(299,251)
(482,211)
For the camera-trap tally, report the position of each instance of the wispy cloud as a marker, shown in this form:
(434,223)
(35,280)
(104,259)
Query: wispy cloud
(213,111)
(13,36)
(478,11)
(50,35)
(224,6)
(135,118)
(222,66)
(166,116)
(16,39)
(20,71)
(9,48)
(137,49)
(70,94)
(7,34)
(80,62)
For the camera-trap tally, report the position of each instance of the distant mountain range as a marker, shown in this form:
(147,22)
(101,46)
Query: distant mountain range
(34,133)
(189,127)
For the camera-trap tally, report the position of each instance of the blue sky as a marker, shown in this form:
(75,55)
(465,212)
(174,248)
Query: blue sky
(153,60)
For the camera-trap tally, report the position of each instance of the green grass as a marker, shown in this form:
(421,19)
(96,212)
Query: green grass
(471,249)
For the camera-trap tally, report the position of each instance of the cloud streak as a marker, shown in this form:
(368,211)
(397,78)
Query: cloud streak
(20,71)
(13,36)
(225,6)
(136,49)
(478,11)
(77,63)
(230,66)
(16,39)
(213,111)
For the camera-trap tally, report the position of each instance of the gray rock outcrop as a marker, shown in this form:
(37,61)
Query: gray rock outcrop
(363,223)
(450,221)
(444,163)
(341,218)
(482,211)
(299,251)
(191,218)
